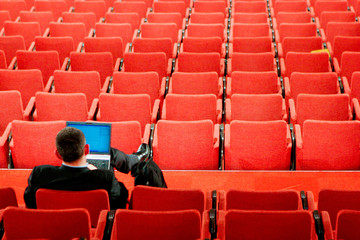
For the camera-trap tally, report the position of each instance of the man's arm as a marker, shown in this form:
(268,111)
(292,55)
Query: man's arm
(30,191)
(119,194)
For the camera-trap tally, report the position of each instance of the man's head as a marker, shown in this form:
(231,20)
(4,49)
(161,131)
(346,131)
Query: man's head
(70,144)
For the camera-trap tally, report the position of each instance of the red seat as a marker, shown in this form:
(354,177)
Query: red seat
(160,30)
(206,30)
(348,64)
(29,30)
(75,30)
(55,6)
(338,16)
(97,7)
(63,45)
(122,30)
(138,7)
(206,62)
(251,62)
(132,18)
(250,30)
(10,45)
(114,45)
(7,197)
(250,7)
(295,30)
(13,7)
(203,45)
(299,44)
(88,18)
(43,18)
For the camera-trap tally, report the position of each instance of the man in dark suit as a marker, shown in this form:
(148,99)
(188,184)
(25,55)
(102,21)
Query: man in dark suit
(76,175)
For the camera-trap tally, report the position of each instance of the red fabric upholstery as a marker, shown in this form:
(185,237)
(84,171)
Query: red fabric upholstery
(310,62)
(355,85)
(328,6)
(255,107)
(11,108)
(210,6)
(263,200)
(347,225)
(188,3)
(46,61)
(312,83)
(271,225)
(33,143)
(252,83)
(250,7)
(172,17)
(151,45)
(333,201)
(338,16)
(168,7)
(208,18)
(334,107)
(118,107)
(3,64)
(199,62)
(7,197)
(130,6)
(343,44)
(296,30)
(10,45)
(75,30)
(61,106)
(126,136)
(328,145)
(87,82)
(208,30)
(250,30)
(122,30)
(162,199)
(29,30)
(286,6)
(4,16)
(139,62)
(293,17)
(101,62)
(137,83)
(88,18)
(186,145)
(251,62)
(114,45)
(252,45)
(202,45)
(43,18)
(63,45)
(175,225)
(250,17)
(13,7)
(342,29)
(160,30)
(349,64)
(257,145)
(192,107)
(93,201)
(46,224)
(195,83)
(27,82)
(55,6)
(132,18)
(148,3)
(299,44)
(97,7)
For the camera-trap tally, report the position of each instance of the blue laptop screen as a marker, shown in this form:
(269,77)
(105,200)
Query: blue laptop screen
(97,135)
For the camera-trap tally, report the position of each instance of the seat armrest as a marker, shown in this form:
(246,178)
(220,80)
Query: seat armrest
(162,88)
(49,85)
(284,111)
(346,86)
(47,32)
(29,110)
(327,225)
(222,66)
(155,111)
(323,36)
(356,108)
(298,136)
(311,200)
(219,110)
(280,50)
(282,67)
(119,65)
(93,108)
(228,87)
(146,135)
(106,86)
(13,64)
(228,110)
(129,48)
(221,87)
(336,66)
(5,136)
(293,116)
(32,47)
(171,64)
(163,110)
(80,47)
(277,36)
(66,66)
(136,34)
(330,48)
(229,67)
(287,87)
(100,228)
(216,136)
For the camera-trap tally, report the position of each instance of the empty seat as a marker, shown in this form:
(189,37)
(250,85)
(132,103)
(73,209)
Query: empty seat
(46,61)
(355,87)
(172,17)
(87,82)
(139,62)
(253,45)
(171,7)
(28,153)
(3,64)
(55,6)
(341,29)
(4,16)
(338,16)
(94,201)
(163,225)
(61,106)
(63,45)
(206,62)
(288,6)
(210,6)
(186,145)
(311,62)
(101,62)
(250,7)
(10,44)
(327,145)
(263,145)
(333,201)
(114,45)
(342,44)
(75,30)
(208,18)
(43,18)
(151,45)
(13,7)
(122,30)
(203,45)
(206,30)
(348,64)
(253,83)
(322,6)
(138,7)
(160,30)
(192,107)
(333,107)
(29,30)
(132,18)
(249,18)
(295,30)
(311,83)
(196,83)
(161,199)
(138,83)
(250,30)
(148,3)
(346,227)
(121,107)
(97,7)
(299,44)
(255,107)
(7,197)
(50,224)
(251,62)
(291,17)
(88,18)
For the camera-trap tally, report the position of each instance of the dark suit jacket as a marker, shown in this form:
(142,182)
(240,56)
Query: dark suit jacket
(75,179)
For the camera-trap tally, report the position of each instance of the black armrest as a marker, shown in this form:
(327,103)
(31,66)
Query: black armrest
(68,65)
(278,67)
(167,79)
(110,84)
(282,87)
(2,229)
(109,224)
(121,64)
(151,138)
(293,148)
(341,85)
(212,224)
(213,199)
(319,228)
(304,200)
(221,146)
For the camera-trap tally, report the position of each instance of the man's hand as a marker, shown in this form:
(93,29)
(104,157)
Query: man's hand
(91,167)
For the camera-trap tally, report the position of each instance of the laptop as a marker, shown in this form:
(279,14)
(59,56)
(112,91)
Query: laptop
(98,136)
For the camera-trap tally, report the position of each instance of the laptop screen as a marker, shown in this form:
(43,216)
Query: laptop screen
(97,135)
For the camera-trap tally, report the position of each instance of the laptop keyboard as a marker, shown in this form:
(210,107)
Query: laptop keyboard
(100,164)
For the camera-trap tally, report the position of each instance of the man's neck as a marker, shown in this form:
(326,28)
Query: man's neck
(81,162)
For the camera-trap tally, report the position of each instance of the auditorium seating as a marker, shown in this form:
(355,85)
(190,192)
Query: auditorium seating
(169,7)
(203,45)
(106,44)
(160,30)
(206,30)
(250,6)
(249,18)
(173,17)
(287,6)
(299,44)
(4,16)
(292,17)
(210,6)
(130,7)
(295,30)
(97,7)
(55,6)
(328,6)
(13,7)
(249,30)
(151,45)
(122,30)
(338,16)
(208,18)
(10,44)
(252,45)
(351,29)
(348,64)
(63,45)
(29,30)
(43,18)
(342,44)
(132,18)
(7,198)
(346,227)
(75,30)
(88,18)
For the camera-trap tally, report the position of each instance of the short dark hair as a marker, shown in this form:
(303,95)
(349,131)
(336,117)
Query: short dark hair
(70,144)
